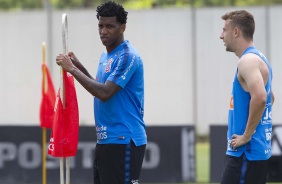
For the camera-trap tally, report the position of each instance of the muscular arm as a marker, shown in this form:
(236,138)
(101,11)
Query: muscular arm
(76,63)
(252,81)
(102,91)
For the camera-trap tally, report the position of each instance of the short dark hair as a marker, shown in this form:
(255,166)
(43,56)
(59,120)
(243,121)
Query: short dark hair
(244,20)
(111,9)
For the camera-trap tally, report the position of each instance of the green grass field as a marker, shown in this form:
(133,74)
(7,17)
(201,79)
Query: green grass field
(203,163)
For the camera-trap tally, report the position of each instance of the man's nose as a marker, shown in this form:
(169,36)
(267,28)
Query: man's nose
(103,31)
(221,36)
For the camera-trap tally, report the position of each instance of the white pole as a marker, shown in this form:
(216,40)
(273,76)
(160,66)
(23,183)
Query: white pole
(194,67)
(65,51)
(61,170)
(68,170)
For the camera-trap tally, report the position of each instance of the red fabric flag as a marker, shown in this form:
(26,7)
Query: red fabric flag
(64,136)
(48,99)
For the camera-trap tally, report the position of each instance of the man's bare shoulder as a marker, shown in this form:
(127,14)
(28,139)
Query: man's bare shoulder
(251,65)
(251,61)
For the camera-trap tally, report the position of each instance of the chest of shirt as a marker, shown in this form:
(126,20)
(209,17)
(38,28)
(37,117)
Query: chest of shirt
(106,67)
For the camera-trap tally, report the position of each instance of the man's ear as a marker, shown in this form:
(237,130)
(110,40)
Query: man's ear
(236,32)
(122,27)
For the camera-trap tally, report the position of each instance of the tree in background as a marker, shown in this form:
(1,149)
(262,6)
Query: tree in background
(8,5)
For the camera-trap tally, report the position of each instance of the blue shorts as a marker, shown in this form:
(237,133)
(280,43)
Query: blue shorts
(118,163)
(239,170)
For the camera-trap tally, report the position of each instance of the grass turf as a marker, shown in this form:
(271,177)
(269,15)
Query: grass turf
(203,163)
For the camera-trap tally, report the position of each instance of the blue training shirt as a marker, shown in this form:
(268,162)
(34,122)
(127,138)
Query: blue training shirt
(259,147)
(120,119)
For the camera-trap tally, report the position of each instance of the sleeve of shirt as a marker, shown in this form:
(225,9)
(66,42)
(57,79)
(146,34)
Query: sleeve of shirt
(124,69)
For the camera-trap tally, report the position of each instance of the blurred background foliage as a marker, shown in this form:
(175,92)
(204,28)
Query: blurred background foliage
(13,5)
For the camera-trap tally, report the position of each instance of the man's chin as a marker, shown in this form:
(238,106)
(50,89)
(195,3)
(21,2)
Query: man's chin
(104,43)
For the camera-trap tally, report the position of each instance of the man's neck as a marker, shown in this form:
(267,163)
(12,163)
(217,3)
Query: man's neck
(113,47)
(242,47)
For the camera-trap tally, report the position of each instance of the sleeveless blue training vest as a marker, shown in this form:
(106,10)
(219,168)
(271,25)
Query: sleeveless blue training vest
(259,147)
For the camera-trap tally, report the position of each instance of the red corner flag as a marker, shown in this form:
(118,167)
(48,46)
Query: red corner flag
(64,136)
(48,99)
